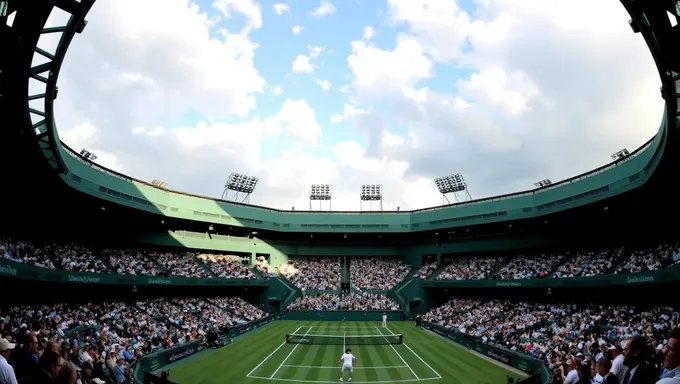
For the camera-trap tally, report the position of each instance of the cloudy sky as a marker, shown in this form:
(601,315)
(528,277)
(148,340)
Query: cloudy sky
(391,92)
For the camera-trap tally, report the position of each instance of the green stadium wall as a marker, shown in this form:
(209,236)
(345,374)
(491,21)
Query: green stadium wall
(342,315)
(599,184)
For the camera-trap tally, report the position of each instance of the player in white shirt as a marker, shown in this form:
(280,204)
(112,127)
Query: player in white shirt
(347,359)
(384,320)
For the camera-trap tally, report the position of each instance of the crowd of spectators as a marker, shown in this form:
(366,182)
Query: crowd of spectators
(355,301)
(652,258)
(262,265)
(425,271)
(470,268)
(530,267)
(124,261)
(589,263)
(559,334)
(99,342)
(314,274)
(374,273)
(131,262)
(25,252)
(77,258)
(227,266)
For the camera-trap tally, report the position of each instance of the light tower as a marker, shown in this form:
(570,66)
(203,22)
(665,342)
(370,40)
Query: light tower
(543,183)
(620,154)
(454,184)
(88,155)
(370,193)
(320,193)
(239,183)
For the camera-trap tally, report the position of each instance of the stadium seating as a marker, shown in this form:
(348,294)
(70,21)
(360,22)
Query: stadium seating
(97,334)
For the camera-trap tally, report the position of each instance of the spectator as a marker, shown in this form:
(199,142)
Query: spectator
(671,364)
(6,371)
(25,360)
(67,374)
(618,368)
(638,360)
(49,366)
(604,375)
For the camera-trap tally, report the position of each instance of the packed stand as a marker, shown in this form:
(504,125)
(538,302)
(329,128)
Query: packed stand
(240,308)
(314,274)
(380,274)
(470,268)
(649,259)
(102,341)
(77,258)
(262,265)
(181,265)
(425,271)
(227,267)
(589,263)
(25,252)
(562,334)
(355,301)
(131,262)
(530,267)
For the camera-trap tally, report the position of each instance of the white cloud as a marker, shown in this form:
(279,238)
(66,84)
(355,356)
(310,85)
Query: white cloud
(301,64)
(315,51)
(380,69)
(539,88)
(247,8)
(324,84)
(325,8)
(349,112)
(297,29)
(280,8)
(369,32)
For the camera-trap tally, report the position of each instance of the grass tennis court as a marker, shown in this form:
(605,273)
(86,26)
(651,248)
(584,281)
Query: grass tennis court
(264,356)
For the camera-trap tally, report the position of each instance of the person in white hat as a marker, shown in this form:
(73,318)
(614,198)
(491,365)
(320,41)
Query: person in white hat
(7,375)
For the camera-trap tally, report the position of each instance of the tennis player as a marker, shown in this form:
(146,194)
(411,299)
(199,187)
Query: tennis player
(347,359)
(384,320)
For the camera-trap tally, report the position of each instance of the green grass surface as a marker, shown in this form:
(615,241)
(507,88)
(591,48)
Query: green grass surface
(262,356)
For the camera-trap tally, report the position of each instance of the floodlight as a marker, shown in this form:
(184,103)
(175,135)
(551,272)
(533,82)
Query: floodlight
(241,183)
(88,155)
(320,192)
(543,183)
(159,183)
(450,184)
(620,154)
(371,192)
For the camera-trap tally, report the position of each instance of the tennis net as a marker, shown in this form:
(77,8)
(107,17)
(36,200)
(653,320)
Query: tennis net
(343,340)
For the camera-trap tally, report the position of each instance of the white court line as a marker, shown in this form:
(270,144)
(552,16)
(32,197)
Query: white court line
(270,355)
(291,352)
(395,351)
(419,358)
(355,382)
(336,367)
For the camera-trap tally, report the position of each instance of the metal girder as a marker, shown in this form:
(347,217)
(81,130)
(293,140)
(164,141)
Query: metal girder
(28,26)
